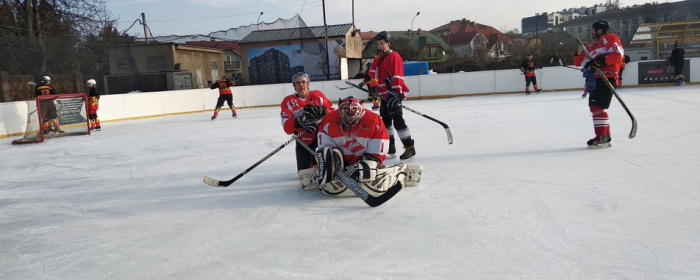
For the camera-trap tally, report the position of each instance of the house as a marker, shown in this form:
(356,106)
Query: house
(162,66)
(468,38)
(274,56)
(428,47)
(232,55)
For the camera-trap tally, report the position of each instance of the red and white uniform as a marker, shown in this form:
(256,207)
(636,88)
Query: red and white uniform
(389,66)
(293,107)
(610,45)
(368,136)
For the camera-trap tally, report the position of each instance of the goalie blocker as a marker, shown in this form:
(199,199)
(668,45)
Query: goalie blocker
(366,173)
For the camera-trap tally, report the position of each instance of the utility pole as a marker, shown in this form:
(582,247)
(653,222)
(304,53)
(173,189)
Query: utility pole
(143,22)
(325,28)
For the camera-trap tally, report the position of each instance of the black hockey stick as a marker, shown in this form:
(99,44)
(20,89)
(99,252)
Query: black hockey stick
(633,132)
(216,183)
(444,125)
(343,88)
(372,201)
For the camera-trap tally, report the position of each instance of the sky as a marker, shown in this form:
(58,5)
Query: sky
(516,196)
(188,17)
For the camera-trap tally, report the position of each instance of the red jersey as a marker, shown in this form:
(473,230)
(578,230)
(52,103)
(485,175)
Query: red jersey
(293,107)
(389,66)
(368,136)
(223,86)
(93,101)
(609,45)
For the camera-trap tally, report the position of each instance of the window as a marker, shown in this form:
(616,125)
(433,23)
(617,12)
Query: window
(122,65)
(155,63)
(213,64)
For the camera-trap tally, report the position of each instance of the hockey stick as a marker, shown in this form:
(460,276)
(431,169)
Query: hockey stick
(216,183)
(372,201)
(343,88)
(444,125)
(633,132)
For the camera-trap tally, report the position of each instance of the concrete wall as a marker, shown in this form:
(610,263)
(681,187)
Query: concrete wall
(13,115)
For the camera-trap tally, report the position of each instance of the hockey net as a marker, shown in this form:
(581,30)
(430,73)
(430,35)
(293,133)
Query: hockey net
(69,110)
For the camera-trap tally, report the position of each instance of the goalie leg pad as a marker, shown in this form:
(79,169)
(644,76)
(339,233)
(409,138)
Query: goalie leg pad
(308,179)
(383,179)
(414,174)
(333,162)
(336,188)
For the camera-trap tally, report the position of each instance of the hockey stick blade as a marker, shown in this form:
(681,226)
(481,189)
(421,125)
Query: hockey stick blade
(633,131)
(216,183)
(343,88)
(372,201)
(444,125)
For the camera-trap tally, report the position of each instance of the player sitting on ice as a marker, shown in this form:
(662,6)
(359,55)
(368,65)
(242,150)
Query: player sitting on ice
(354,140)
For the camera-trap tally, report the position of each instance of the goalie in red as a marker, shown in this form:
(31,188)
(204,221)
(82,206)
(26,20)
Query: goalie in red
(49,114)
(355,141)
(93,104)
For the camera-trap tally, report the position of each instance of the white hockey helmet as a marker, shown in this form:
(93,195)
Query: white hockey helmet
(91,82)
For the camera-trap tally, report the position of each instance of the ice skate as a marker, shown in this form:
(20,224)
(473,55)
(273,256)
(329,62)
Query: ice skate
(599,142)
(213,118)
(410,151)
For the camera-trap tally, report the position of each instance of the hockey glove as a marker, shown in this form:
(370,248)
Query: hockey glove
(314,112)
(597,62)
(394,100)
(307,124)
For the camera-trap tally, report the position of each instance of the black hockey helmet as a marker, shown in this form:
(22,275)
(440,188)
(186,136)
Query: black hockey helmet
(601,24)
(383,36)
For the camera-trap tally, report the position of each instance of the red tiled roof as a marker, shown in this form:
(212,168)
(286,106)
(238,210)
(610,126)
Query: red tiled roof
(224,45)
(459,38)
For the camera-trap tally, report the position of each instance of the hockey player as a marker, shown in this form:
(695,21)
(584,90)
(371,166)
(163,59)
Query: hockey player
(677,59)
(93,105)
(372,83)
(528,67)
(607,54)
(225,94)
(301,113)
(625,59)
(354,141)
(48,112)
(389,66)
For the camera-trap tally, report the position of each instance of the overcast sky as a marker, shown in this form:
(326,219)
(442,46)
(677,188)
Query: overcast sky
(185,17)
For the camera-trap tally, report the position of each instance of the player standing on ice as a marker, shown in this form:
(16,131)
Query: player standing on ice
(528,67)
(677,59)
(607,54)
(93,105)
(49,114)
(301,113)
(354,141)
(224,85)
(389,66)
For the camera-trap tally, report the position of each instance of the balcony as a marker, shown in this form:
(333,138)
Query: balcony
(232,65)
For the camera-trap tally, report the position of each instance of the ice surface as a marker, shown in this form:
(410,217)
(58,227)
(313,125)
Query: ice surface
(517,196)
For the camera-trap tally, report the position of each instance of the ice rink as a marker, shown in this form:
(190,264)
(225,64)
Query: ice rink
(517,196)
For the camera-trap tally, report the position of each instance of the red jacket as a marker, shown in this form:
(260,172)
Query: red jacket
(293,107)
(609,45)
(389,66)
(369,136)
